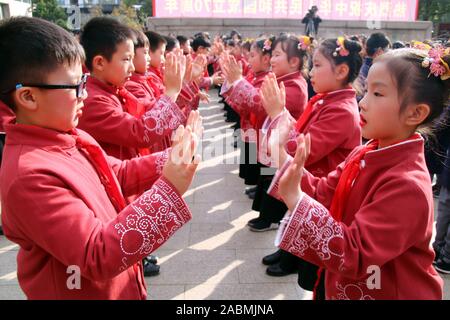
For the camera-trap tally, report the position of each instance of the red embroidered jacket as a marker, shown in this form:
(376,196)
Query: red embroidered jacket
(55,208)
(334,129)
(121,134)
(386,228)
(246,97)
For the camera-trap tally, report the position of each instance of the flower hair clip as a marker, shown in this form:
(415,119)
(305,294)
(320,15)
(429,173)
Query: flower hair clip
(267,45)
(421,46)
(341,50)
(304,42)
(434,61)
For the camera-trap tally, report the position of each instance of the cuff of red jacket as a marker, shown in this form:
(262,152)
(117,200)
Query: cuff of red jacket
(310,231)
(175,109)
(274,185)
(149,221)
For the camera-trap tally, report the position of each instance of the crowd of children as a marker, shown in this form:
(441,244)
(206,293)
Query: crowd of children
(101,145)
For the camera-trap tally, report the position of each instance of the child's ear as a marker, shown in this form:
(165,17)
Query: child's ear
(98,63)
(26,98)
(295,62)
(417,114)
(342,71)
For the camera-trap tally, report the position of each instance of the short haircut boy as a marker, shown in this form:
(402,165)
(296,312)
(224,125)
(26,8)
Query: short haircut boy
(30,49)
(101,35)
(156,40)
(140,39)
(200,42)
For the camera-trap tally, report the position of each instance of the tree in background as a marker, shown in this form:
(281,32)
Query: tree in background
(144,8)
(51,11)
(434,10)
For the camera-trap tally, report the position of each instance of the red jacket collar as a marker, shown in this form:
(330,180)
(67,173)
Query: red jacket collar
(290,76)
(23,134)
(92,81)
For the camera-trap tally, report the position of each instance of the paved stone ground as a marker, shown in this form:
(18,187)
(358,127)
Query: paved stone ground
(214,256)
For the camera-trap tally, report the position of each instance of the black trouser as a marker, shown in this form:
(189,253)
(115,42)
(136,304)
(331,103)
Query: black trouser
(249,169)
(270,209)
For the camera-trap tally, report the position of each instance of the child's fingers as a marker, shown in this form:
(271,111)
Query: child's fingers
(307,145)
(283,92)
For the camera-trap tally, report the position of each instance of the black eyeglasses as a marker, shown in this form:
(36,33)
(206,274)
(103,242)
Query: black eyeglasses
(80,87)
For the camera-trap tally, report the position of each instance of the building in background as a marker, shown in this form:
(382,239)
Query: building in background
(85,5)
(12,8)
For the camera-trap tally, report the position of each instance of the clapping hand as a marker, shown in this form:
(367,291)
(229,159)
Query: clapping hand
(273,96)
(183,162)
(289,186)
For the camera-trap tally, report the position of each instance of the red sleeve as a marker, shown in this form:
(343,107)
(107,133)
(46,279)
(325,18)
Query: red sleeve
(296,98)
(378,234)
(144,98)
(321,189)
(244,98)
(140,173)
(48,214)
(106,121)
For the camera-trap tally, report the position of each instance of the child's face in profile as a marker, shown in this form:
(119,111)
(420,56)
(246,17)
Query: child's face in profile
(141,60)
(380,109)
(119,69)
(279,62)
(323,76)
(57,109)
(157,58)
(255,60)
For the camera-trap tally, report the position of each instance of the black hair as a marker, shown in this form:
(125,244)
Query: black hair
(30,49)
(200,42)
(182,39)
(140,39)
(247,45)
(171,43)
(289,44)
(156,40)
(230,43)
(259,44)
(235,33)
(414,82)
(398,45)
(353,60)
(377,41)
(101,35)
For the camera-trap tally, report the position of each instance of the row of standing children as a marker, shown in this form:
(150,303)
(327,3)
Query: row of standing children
(87,180)
(333,126)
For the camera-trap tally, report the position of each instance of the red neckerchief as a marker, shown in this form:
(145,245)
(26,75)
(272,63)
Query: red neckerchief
(131,103)
(306,115)
(134,107)
(96,156)
(157,90)
(350,172)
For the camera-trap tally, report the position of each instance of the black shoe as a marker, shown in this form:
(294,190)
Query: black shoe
(262,225)
(251,222)
(152,259)
(250,189)
(272,258)
(276,271)
(151,269)
(1,231)
(442,266)
(252,195)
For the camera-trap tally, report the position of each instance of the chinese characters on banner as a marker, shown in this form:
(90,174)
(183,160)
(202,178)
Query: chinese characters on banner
(387,10)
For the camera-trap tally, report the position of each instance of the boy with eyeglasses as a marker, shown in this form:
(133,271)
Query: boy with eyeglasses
(62,195)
